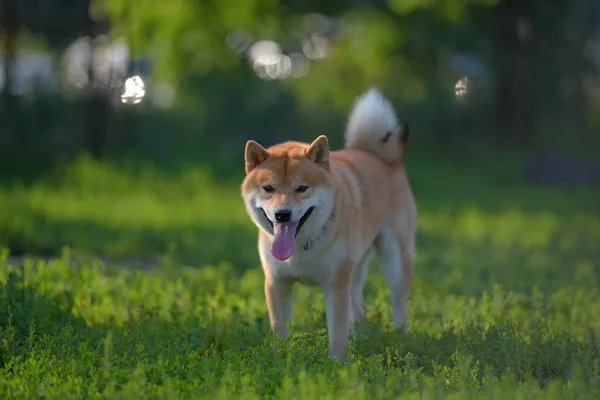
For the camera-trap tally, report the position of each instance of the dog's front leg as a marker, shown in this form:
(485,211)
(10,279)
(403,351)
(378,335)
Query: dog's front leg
(337,308)
(279,296)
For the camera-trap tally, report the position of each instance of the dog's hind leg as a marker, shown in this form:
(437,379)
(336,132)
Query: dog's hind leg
(395,249)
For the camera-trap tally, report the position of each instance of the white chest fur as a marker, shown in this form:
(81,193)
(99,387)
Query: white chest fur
(312,266)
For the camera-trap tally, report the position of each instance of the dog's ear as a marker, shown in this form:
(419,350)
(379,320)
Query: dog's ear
(318,152)
(255,155)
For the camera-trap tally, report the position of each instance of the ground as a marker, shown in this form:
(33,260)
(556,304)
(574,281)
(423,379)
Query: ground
(505,302)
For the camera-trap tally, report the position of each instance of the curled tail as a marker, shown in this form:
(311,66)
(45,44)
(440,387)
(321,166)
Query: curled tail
(373,126)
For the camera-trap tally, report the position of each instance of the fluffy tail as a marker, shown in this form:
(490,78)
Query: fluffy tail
(373,126)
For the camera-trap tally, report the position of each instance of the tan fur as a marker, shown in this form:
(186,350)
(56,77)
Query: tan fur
(362,201)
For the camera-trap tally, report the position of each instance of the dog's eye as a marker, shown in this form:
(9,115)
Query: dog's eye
(268,189)
(301,189)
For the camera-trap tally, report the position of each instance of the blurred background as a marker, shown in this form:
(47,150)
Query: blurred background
(123,123)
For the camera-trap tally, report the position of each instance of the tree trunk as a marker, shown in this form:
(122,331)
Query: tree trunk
(8,106)
(97,104)
(581,23)
(515,71)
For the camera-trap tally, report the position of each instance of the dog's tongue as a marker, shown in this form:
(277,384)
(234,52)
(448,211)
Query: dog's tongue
(284,241)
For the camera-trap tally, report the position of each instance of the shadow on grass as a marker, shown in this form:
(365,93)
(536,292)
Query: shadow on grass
(35,324)
(448,192)
(193,244)
(460,255)
(27,314)
(502,349)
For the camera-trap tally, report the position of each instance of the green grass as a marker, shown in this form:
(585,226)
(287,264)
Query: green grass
(505,302)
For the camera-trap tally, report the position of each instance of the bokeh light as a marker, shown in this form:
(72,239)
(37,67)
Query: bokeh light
(300,65)
(292,57)
(238,41)
(461,89)
(134,90)
(316,47)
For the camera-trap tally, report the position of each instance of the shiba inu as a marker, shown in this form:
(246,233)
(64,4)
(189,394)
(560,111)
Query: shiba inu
(320,213)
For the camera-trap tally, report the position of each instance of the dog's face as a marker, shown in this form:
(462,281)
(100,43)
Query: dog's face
(287,191)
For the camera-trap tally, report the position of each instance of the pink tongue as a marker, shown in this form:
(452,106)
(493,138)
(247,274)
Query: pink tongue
(285,241)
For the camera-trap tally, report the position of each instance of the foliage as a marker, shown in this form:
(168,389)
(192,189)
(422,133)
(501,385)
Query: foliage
(396,43)
(415,51)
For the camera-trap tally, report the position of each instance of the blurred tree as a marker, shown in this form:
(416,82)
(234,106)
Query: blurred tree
(516,52)
(98,110)
(59,22)
(398,45)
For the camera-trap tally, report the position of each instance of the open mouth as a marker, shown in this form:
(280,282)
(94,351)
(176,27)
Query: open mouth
(267,218)
(303,219)
(300,223)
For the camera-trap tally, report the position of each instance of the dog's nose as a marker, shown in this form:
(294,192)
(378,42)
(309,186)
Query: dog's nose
(283,215)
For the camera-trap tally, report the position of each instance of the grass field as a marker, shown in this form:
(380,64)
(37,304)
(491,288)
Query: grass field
(505,302)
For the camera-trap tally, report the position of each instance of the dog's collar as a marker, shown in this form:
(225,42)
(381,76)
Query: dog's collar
(323,235)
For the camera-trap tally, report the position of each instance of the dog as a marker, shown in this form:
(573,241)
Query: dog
(321,213)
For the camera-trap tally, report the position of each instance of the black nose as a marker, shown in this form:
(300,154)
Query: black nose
(283,215)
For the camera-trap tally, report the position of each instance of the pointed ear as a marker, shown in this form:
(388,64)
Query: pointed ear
(255,155)
(318,152)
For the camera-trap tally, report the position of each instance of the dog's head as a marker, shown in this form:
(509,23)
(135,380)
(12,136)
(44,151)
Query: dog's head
(287,191)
